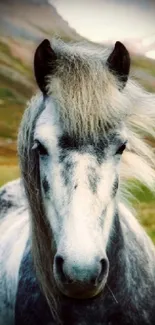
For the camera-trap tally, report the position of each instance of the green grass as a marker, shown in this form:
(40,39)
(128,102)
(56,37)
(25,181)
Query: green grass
(16,87)
(8,173)
(143,200)
(141,193)
(5,92)
(146,215)
(10,117)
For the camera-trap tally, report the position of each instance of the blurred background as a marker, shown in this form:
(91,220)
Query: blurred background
(24,23)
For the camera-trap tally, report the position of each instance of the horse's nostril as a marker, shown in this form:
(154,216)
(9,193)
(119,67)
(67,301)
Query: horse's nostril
(59,267)
(59,261)
(104,268)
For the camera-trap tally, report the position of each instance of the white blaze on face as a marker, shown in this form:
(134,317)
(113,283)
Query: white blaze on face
(88,211)
(80,215)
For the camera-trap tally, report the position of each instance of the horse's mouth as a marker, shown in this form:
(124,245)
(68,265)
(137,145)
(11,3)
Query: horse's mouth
(80,292)
(84,295)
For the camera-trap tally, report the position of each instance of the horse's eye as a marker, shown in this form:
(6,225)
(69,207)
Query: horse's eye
(121,149)
(40,149)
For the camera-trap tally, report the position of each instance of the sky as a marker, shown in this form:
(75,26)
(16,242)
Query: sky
(105,20)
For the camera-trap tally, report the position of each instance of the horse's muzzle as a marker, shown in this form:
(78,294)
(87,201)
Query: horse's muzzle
(80,281)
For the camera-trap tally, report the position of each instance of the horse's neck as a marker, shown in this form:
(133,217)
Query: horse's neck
(131,280)
(131,251)
(134,235)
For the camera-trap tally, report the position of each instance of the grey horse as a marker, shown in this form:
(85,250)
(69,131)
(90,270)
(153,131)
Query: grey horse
(71,249)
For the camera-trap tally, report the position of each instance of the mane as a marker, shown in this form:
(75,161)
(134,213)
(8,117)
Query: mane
(41,244)
(85,90)
(90,102)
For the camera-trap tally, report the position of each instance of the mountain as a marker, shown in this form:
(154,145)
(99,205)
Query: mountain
(32,20)
(23,24)
(40,2)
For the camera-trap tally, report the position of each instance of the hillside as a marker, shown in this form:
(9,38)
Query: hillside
(22,25)
(31,21)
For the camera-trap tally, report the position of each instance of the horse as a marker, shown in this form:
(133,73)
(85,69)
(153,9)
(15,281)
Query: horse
(72,251)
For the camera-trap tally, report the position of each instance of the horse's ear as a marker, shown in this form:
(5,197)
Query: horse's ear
(119,63)
(44,63)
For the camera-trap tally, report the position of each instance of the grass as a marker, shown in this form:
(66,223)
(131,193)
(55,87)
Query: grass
(10,116)
(8,173)
(16,87)
(144,202)
(146,215)
(9,169)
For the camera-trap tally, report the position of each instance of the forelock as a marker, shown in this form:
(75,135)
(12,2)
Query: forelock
(87,94)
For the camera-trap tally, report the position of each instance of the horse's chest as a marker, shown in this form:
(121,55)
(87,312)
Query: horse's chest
(32,309)
(93,312)
(31,306)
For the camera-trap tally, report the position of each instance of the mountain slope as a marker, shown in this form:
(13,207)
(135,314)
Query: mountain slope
(23,24)
(32,21)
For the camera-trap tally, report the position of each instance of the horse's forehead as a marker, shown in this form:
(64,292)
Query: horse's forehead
(50,129)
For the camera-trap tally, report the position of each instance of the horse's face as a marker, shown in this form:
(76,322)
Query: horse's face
(79,182)
(79,176)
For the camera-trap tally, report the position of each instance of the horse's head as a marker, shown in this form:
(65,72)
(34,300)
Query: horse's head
(79,138)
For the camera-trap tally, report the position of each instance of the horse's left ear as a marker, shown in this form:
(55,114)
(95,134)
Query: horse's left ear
(44,64)
(119,63)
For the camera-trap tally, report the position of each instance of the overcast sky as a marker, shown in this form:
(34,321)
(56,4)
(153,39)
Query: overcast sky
(101,20)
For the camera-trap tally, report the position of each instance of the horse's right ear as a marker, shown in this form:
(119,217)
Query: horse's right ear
(44,63)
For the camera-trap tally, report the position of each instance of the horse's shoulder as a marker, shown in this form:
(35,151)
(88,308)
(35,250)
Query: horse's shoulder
(11,197)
